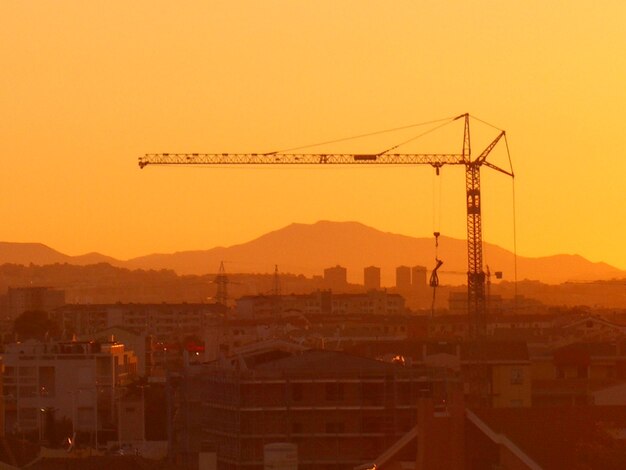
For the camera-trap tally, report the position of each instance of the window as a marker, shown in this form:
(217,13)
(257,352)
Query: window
(517,376)
(371,424)
(28,391)
(334,392)
(335,428)
(28,413)
(27,371)
(47,381)
(296,392)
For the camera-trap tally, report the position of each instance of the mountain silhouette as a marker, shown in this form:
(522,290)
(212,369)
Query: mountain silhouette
(40,254)
(309,248)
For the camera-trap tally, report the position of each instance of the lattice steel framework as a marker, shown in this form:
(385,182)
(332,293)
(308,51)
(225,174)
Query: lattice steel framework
(475,274)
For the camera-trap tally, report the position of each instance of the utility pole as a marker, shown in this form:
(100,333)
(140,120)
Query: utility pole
(222,286)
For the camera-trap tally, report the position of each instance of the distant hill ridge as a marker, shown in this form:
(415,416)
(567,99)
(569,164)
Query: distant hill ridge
(309,248)
(38,253)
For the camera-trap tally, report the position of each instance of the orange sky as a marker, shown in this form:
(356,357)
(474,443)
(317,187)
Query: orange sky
(87,87)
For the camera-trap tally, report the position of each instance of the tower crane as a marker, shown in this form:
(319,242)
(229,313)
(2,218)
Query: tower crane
(476,295)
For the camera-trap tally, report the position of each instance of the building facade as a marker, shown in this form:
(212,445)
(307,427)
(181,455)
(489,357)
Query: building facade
(79,380)
(340,410)
(371,278)
(159,320)
(336,277)
(403,277)
(418,278)
(24,299)
(321,303)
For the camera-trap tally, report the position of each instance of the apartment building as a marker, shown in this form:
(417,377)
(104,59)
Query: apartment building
(18,300)
(339,409)
(159,320)
(570,374)
(375,302)
(494,373)
(371,278)
(79,380)
(336,277)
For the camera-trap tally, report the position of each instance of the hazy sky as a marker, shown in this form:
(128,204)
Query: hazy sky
(87,87)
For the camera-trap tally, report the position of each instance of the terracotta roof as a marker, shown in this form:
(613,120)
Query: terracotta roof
(596,348)
(318,361)
(107,462)
(571,386)
(469,351)
(494,351)
(17,452)
(563,437)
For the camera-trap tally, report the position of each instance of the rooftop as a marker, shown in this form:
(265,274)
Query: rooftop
(562,437)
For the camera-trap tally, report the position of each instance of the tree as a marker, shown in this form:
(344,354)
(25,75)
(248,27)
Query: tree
(34,324)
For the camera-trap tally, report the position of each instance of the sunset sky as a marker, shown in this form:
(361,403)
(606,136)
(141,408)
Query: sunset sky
(88,87)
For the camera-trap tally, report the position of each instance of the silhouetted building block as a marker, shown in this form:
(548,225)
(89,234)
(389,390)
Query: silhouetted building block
(403,277)
(27,299)
(418,278)
(371,277)
(336,277)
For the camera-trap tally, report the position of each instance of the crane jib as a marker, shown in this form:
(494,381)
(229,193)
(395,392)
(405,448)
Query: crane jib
(476,277)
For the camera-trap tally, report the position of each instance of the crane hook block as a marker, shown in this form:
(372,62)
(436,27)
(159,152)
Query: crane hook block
(434,277)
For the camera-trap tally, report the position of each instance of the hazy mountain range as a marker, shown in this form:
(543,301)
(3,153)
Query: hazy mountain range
(309,248)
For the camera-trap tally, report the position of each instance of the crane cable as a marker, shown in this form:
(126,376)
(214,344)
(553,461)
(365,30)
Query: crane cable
(414,138)
(334,141)
(508,152)
(434,277)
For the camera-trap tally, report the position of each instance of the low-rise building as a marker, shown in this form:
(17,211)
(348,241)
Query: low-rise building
(569,374)
(494,373)
(375,302)
(79,380)
(160,320)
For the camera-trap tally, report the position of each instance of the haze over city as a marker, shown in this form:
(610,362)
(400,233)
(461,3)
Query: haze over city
(87,89)
(294,235)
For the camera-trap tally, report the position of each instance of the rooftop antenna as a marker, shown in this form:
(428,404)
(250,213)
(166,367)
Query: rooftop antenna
(222,286)
(276,287)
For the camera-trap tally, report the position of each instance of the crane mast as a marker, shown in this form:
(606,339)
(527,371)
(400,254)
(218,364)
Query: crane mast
(476,289)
